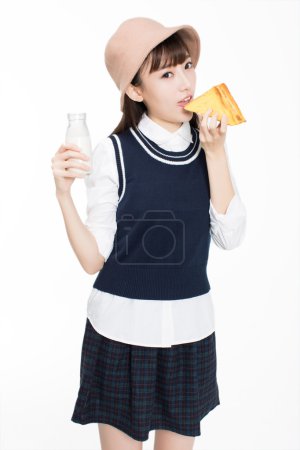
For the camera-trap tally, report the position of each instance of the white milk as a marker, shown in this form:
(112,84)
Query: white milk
(78,133)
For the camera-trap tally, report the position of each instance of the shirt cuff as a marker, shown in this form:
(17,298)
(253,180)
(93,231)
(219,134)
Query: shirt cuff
(104,238)
(234,209)
(228,230)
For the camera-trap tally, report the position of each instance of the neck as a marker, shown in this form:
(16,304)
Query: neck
(169,126)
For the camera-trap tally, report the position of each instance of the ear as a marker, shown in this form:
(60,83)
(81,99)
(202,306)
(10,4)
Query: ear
(134,93)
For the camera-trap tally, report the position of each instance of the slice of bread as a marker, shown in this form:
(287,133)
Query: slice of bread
(220,100)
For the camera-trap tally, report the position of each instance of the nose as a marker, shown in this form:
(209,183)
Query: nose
(184,82)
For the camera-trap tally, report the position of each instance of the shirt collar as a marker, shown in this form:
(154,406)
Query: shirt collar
(177,140)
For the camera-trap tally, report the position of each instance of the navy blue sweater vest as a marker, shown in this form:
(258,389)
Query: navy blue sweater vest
(162,240)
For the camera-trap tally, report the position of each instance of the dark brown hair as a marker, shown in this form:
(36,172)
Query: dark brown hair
(170,52)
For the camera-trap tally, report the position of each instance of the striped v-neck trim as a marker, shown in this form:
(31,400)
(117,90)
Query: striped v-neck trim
(168,157)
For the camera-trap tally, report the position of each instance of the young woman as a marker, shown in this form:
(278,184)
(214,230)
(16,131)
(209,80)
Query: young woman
(160,188)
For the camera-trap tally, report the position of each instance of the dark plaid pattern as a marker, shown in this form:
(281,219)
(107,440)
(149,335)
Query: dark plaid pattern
(137,389)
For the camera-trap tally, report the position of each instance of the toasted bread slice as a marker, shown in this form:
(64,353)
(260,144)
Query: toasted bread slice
(220,100)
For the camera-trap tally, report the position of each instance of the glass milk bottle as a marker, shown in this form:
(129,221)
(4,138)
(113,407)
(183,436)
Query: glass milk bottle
(78,133)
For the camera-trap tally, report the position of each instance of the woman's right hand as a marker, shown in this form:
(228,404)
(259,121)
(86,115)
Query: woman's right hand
(62,164)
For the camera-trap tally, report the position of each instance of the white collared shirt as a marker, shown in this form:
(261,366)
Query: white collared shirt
(153,323)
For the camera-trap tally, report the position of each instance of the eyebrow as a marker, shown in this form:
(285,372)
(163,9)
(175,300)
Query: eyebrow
(170,65)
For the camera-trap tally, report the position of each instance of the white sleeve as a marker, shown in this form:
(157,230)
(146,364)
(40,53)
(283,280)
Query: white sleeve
(102,196)
(228,230)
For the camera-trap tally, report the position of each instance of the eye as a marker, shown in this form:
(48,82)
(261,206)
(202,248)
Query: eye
(166,73)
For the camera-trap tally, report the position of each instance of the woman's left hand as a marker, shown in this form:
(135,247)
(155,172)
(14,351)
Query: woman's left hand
(212,139)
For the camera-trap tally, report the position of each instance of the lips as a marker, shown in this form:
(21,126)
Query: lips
(185,101)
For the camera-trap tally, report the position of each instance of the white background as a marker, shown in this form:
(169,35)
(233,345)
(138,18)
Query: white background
(51,64)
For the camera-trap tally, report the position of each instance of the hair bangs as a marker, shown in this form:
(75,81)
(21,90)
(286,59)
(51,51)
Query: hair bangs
(170,52)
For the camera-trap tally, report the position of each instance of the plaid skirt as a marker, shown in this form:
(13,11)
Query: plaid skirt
(137,389)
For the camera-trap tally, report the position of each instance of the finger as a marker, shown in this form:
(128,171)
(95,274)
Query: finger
(64,147)
(213,122)
(68,174)
(72,163)
(224,122)
(214,118)
(207,113)
(205,117)
(71,153)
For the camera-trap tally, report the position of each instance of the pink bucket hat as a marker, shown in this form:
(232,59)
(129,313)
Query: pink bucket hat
(133,40)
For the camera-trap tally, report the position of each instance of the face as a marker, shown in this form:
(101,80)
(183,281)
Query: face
(161,92)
